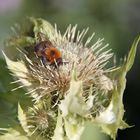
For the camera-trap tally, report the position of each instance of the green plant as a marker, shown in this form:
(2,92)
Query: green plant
(65,97)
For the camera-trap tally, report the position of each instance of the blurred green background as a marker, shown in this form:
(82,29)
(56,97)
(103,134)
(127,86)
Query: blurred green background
(118,21)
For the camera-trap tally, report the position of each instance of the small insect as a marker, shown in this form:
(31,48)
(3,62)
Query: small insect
(48,53)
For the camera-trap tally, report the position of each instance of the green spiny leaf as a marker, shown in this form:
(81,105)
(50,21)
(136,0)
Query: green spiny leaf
(23,119)
(132,53)
(13,134)
(119,77)
(59,132)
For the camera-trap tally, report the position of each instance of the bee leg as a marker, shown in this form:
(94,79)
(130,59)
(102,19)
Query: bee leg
(44,61)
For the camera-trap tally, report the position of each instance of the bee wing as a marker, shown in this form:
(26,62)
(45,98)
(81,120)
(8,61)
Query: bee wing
(42,37)
(29,49)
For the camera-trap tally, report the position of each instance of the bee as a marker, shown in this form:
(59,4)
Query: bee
(48,53)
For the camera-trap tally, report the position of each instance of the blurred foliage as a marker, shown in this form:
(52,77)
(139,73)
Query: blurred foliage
(117,21)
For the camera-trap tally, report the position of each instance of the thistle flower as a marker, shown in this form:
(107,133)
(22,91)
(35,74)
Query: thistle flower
(77,88)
